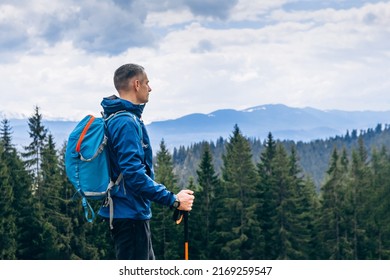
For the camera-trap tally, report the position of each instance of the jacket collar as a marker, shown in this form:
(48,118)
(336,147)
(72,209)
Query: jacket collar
(113,104)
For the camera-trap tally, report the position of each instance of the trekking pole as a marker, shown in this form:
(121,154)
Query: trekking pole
(178,217)
(185,217)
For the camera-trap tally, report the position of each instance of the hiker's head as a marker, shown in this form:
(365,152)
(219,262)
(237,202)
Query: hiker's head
(132,83)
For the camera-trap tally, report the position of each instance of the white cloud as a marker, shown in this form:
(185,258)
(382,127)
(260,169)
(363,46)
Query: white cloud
(9,13)
(324,58)
(249,10)
(63,81)
(296,63)
(168,18)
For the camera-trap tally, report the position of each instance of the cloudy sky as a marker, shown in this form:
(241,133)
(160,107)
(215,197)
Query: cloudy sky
(200,55)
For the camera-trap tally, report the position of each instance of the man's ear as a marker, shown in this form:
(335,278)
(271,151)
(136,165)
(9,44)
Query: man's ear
(136,84)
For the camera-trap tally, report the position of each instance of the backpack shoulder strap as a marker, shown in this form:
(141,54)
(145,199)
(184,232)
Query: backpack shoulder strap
(126,113)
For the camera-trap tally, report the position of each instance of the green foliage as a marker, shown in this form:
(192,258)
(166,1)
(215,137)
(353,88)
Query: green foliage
(165,233)
(204,209)
(237,217)
(327,199)
(33,152)
(7,222)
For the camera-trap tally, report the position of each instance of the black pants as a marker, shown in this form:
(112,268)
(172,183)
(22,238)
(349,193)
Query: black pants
(132,239)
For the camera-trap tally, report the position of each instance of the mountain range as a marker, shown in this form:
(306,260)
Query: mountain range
(285,123)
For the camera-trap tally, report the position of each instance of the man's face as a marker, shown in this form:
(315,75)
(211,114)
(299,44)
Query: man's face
(143,89)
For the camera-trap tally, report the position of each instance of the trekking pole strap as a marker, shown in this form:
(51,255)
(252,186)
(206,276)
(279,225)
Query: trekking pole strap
(177,216)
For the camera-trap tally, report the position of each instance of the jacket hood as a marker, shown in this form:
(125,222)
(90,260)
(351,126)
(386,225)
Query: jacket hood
(113,104)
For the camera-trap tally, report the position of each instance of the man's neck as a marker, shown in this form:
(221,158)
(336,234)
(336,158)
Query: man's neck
(129,96)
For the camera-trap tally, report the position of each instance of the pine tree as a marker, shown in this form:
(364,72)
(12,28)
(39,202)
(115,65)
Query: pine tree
(305,207)
(54,222)
(237,224)
(33,151)
(20,182)
(6,135)
(310,216)
(379,224)
(7,221)
(334,211)
(268,197)
(359,194)
(203,213)
(8,226)
(38,230)
(164,231)
(292,227)
(68,207)
(286,224)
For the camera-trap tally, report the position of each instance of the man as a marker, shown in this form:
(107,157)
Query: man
(131,154)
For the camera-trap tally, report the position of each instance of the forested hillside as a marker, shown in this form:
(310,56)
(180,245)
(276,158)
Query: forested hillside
(313,156)
(327,199)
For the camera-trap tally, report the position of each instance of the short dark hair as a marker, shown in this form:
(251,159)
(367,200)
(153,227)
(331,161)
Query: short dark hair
(124,73)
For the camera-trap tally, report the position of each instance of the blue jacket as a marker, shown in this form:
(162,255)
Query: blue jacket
(133,157)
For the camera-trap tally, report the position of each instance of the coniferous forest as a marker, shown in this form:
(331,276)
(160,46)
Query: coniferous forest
(270,199)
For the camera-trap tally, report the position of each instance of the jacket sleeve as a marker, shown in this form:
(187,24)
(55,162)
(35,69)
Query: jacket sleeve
(126,144)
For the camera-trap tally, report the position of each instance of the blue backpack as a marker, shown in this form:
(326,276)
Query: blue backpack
(87,162)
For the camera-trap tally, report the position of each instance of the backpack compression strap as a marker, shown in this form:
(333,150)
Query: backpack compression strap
(88,210)
(108,201)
